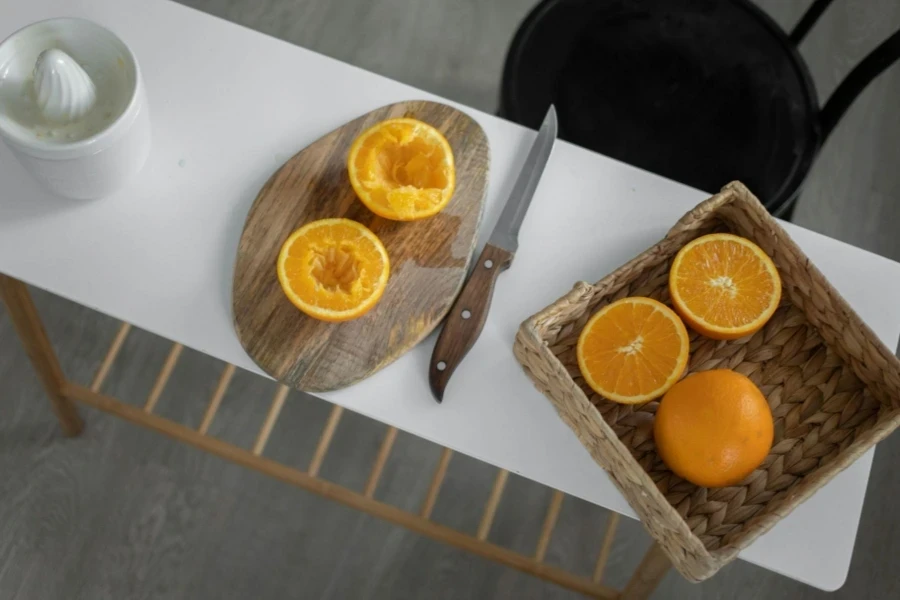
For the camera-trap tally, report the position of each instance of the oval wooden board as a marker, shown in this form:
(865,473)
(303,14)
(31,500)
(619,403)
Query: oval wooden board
(429,258)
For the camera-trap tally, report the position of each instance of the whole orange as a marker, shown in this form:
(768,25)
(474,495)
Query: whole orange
(713,428)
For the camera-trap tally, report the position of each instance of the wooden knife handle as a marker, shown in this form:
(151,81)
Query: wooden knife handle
(466,319)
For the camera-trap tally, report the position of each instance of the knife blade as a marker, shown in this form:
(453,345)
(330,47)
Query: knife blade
(466,318)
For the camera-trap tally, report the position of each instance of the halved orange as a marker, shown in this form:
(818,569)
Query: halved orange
(724,286)
(333,269)
(402,169)
(633,350)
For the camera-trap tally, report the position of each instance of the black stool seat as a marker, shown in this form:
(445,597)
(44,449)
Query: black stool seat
(700,91)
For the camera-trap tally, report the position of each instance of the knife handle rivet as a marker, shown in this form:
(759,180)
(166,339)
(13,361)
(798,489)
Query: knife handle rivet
(488,264)
(441,366)
(466,314)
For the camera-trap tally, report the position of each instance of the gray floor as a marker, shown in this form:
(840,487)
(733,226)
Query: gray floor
(123,513)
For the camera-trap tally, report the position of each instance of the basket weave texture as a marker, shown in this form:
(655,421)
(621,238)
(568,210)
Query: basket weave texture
(833,387)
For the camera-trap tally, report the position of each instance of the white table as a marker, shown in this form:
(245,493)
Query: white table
(229,105)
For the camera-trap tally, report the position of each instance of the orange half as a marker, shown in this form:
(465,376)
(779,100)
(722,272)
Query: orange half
(724,286)
(402,169)
(633,350)
(333,269)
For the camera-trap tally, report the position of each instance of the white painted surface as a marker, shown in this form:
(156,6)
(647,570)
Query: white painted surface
(160,253)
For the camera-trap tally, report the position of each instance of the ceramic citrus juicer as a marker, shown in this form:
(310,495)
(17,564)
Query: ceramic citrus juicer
(73,109)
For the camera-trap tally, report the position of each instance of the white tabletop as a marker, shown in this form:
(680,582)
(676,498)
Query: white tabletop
(229,105)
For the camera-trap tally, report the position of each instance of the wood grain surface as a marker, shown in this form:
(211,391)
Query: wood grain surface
(467,317)
(31,332)
(429,258)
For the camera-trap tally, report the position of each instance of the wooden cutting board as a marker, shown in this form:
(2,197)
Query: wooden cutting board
(429,258)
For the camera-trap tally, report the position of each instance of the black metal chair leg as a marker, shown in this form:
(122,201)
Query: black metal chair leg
(808,20)
(861,76)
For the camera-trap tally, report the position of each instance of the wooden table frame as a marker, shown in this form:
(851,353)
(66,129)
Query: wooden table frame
(63,394)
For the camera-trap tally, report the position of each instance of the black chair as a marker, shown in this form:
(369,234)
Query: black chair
(700,91)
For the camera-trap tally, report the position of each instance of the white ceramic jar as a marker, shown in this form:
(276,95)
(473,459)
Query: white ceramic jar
(75,161)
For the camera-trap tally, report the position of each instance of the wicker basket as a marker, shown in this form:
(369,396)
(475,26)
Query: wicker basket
(833,387)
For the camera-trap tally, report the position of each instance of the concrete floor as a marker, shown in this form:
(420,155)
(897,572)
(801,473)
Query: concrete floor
(123,513)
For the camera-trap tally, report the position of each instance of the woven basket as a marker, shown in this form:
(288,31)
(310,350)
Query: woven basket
(833,387)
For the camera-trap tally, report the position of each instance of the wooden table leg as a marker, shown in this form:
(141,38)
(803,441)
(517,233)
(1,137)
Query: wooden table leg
(28,325)
(649,573)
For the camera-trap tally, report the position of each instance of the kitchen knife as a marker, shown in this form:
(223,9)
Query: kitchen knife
(466,319)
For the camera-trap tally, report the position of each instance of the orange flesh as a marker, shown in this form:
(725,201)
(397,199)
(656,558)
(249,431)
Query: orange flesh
(333,269)
(633,350)
(402,169)
(724,286)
